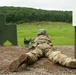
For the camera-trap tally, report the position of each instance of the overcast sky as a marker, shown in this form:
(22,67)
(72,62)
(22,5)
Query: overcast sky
(41,4)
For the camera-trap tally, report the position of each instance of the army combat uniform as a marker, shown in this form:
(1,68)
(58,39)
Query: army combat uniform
(42,46)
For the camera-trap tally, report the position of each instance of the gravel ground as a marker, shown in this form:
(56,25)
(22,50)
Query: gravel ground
(42,67)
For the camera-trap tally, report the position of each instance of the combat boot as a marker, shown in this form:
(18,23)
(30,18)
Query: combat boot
(17,63)
(69,62)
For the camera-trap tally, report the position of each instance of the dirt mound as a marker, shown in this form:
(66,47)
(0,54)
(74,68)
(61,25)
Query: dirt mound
(42,67)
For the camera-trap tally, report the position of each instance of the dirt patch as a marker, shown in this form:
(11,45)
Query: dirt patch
(42,67)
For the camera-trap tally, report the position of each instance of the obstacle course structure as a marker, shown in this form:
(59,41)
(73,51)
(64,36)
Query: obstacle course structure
(7,32)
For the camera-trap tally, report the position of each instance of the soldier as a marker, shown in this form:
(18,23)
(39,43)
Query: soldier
(42,46)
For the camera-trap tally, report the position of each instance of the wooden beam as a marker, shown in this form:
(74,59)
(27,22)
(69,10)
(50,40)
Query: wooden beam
(75,43)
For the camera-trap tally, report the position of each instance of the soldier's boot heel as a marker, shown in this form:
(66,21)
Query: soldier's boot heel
(71,64)
(17,63)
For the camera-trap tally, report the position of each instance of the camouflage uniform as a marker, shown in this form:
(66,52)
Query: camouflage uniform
(43,47)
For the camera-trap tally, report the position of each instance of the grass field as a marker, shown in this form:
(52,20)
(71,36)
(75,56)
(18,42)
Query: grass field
(60,33)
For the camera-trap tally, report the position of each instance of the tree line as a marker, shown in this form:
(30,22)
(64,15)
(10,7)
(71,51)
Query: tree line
(23,14)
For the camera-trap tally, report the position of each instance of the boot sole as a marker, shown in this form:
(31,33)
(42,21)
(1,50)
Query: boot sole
(72,64)
(17,63)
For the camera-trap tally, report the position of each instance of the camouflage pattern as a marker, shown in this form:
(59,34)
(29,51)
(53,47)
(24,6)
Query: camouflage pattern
(42,46)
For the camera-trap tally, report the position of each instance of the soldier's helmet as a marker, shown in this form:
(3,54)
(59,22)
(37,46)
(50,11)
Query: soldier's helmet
(41,32)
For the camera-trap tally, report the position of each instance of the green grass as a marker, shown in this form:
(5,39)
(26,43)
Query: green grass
(60,33)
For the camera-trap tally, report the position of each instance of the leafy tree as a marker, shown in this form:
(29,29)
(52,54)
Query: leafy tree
(23,14)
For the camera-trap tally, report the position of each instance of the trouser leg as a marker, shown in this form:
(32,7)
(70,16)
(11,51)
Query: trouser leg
(33,56)
(58,57)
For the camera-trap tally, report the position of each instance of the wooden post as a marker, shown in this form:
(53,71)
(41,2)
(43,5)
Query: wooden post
(75,42)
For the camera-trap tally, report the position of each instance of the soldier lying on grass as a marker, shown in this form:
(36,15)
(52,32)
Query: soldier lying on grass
(42,46)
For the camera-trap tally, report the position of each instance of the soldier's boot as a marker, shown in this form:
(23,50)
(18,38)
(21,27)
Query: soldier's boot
(69,62)
(17,63)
